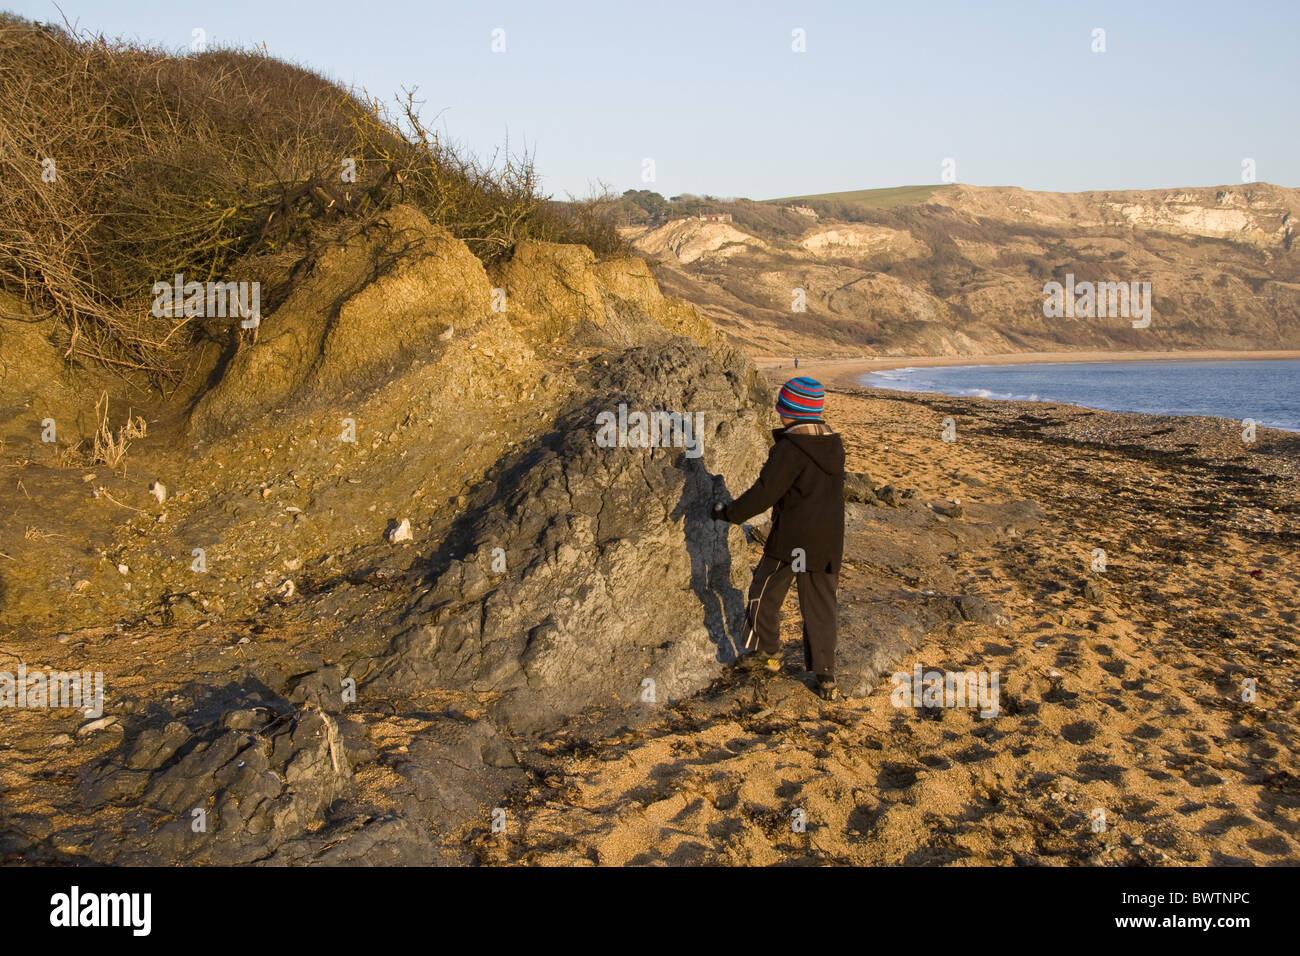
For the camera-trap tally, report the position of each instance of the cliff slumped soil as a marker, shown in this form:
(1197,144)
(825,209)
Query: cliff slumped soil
(398,387)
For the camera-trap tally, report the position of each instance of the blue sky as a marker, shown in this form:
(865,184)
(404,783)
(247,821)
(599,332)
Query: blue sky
(885,92)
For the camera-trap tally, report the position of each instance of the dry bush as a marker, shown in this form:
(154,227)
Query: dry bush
(485,204)
(161,165)
(108,446)
(71,456)
(223,166)
(592,221)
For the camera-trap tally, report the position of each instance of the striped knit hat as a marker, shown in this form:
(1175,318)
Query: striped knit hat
(801,398)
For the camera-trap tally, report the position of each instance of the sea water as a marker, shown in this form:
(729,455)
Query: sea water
(1266,390)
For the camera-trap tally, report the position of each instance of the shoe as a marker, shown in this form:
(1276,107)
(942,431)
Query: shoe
(826,688)
(759,663)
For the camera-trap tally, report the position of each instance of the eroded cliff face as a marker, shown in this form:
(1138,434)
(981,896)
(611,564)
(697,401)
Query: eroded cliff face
(399,481)
(34,379)
(689,240)
(1253,214)
(963,272)
(384,389)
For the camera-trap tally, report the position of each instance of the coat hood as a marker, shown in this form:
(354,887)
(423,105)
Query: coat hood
(818,442)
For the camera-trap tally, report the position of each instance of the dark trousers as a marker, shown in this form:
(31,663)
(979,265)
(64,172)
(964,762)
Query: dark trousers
(816,602)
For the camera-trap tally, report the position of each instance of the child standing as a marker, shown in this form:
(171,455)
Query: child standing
(803,483)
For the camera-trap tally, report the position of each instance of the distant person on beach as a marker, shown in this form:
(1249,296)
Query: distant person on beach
(796,362)
(803,483)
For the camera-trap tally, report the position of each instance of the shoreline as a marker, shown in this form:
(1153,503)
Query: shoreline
(844,372)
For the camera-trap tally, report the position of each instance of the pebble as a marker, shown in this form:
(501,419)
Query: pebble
(158,490)
(399,531)
(101,723)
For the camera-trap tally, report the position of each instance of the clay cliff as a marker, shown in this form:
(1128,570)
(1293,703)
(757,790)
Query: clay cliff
(961,270)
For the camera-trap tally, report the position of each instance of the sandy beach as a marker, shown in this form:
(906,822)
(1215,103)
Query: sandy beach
(845,372)
(1123,738)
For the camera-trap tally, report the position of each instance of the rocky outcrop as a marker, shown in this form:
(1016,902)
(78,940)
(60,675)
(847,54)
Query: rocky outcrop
(688,240)
(390,296)
(860,239)
(231,793)
(583,572)
(557,296)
